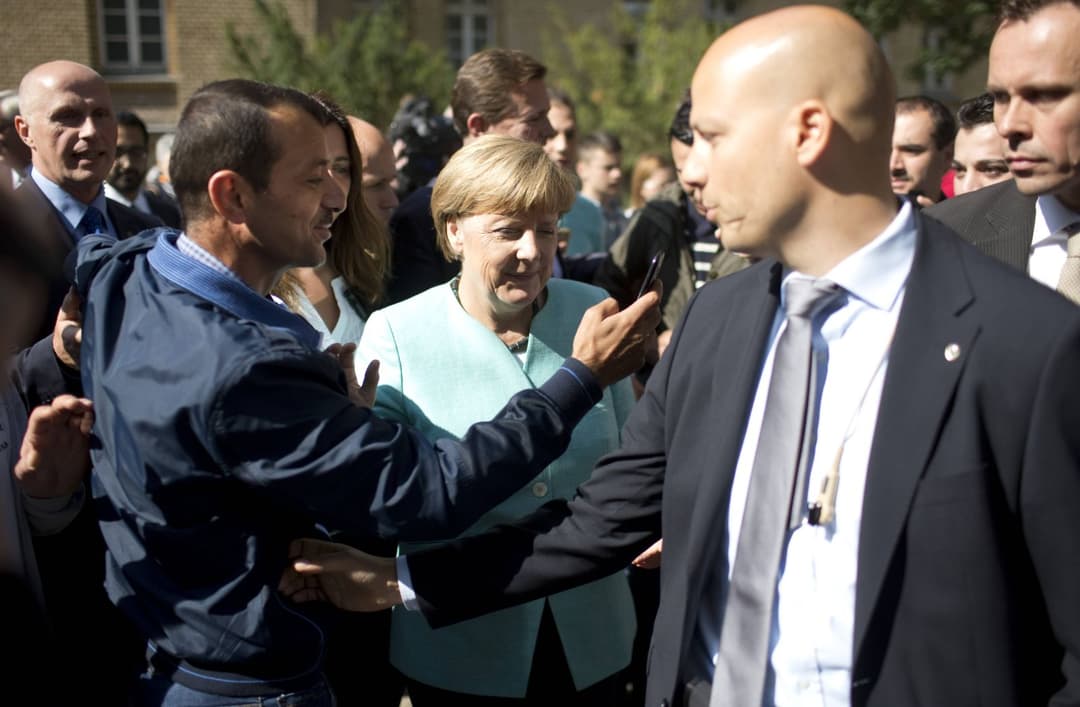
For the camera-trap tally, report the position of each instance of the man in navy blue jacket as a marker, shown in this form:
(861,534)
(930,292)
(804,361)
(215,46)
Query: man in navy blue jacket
(225,433)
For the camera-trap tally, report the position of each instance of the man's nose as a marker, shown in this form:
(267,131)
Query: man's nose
(1012,120)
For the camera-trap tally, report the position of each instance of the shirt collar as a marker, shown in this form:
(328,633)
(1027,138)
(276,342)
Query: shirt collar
(195,274)
(139,203)
(1050,217)
(71,209)
(876,273)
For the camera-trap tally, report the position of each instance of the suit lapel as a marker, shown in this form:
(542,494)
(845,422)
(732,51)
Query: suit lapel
(919,385)
(748,326)
(1012,220)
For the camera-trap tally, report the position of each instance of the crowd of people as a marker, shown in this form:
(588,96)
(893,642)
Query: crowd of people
(311,413)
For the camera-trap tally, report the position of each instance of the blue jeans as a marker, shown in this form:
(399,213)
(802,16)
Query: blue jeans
(158,690)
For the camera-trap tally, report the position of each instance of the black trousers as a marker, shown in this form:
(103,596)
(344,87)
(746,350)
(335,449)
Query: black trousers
(550,682)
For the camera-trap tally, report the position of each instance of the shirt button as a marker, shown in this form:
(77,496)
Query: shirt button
(803,685)
(540,489)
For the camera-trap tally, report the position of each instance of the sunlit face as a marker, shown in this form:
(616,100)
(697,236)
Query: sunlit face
(660,178)
(527,119)
(737,168)
(978,159)
(132,160)
(291,218)
(600,172)
(506,259)
(379,179)
(338,151)
(1034,79)
(917,163)
(562,146)
(680,152)
(71,131)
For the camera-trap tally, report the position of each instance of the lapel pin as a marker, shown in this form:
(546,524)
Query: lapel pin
(952,352)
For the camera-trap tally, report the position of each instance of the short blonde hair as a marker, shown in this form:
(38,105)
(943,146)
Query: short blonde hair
(497,174)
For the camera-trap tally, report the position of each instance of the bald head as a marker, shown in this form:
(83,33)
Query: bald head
(792,113)
(66,118)
(379,173)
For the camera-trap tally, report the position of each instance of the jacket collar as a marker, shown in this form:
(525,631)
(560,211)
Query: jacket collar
(231,294)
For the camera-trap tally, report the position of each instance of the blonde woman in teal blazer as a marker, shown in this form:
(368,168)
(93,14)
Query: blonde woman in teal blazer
(453,356)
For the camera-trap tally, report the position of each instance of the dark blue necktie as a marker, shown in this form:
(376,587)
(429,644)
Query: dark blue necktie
(93,221)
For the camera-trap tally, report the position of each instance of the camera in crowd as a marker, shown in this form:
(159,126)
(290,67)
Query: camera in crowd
(423,141)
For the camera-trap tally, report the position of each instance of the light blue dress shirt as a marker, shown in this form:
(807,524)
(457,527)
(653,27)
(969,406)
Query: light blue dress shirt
(813,616)
(72,210)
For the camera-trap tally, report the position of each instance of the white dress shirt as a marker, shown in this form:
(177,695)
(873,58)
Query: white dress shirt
(139,203)
(813,618)
(1048,240)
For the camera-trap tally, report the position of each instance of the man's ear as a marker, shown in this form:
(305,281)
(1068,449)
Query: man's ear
(813,131)
(231,195)
(455,236)
(476,124)
(22,128)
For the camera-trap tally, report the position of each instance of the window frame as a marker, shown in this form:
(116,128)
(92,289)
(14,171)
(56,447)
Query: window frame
(135,65)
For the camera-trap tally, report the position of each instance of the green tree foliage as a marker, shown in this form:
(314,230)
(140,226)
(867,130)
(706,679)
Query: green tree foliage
(629,77)
(366,63)
(957,33)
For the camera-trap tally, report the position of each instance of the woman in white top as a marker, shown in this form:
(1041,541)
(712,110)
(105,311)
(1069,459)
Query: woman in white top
(336,299)
(337,296)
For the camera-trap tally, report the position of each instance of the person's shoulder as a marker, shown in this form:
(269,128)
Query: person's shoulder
(959,210)
(574,294)
(165,209)
(421,305)
(129,221)
(1005,294)
(419,200)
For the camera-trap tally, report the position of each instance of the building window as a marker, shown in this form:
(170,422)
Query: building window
(133,36)
(468,29)
(934,82)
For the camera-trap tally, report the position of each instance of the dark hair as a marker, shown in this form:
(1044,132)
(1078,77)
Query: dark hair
(944,131)
(359,246)
(599,140)
(557,95)
(1022,10)
(975,111)
(130,120)
(486,80)
(680,123)
(428,140)
(225,125)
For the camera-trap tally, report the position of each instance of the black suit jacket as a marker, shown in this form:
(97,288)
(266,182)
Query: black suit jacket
(40,212)
(92,638)
(998,220)
(416,261)
(968,571)
(166,210)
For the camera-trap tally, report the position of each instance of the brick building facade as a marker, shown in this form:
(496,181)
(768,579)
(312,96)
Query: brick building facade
(155,53)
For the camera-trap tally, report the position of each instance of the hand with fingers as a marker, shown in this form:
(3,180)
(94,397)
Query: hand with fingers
(612,344)
(67,333)
(650,559)
(55,453)
(347,578)
(363,394)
